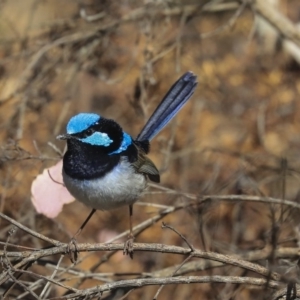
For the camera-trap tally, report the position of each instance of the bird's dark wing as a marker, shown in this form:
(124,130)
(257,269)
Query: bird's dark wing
(144,165)
(178,95)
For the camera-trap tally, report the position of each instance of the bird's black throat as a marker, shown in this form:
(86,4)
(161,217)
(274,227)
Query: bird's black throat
(86,161)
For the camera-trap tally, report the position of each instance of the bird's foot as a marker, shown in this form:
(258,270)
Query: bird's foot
(72,250)
(128,246)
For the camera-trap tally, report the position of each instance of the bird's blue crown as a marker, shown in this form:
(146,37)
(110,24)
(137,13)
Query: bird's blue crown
(81,122)
(101,133)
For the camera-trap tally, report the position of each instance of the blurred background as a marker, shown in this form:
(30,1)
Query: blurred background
(239,134)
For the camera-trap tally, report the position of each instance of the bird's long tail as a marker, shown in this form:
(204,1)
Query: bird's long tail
(178,95)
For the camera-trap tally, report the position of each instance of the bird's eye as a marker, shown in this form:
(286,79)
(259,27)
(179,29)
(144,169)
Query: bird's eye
(89,132)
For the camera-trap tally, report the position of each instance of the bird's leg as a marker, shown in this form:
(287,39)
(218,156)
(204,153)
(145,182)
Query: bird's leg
(72,248)
(128,245)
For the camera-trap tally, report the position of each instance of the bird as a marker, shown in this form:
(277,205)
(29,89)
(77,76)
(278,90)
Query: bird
(104,167)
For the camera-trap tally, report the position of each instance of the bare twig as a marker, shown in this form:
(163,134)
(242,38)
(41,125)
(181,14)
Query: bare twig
(62,249)
(30,231)
(164,225)
(45,291)
(138,283)
(183,263)
(284,26)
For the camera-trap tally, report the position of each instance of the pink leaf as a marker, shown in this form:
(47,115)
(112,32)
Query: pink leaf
(48,193)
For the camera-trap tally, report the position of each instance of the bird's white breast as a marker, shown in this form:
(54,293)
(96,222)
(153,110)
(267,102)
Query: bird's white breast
(121,186)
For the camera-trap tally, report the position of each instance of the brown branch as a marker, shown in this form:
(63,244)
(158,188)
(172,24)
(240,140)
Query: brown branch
(231,198)
(282,293)
(138,283)
(30,231)
(183,263)
(281,23)
(30,257)
(228,25)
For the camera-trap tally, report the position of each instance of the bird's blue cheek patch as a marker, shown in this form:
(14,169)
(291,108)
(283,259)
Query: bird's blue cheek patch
(127,141)
(81,122)
(98,139)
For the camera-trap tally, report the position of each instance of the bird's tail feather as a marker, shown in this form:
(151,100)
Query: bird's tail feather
(177,96)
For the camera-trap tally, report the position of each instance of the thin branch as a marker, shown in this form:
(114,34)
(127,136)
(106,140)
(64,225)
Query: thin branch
(30,231)
(160,248)
(180,235)
(228,25)
(138,283)
(284,26)
(45,291)
(183,263)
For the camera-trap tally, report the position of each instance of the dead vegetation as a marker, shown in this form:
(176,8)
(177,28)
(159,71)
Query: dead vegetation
(229,197)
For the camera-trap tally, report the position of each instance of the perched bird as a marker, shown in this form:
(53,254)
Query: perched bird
(104,167)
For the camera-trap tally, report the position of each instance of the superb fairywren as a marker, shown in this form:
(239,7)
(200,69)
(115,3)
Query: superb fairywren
(104,167)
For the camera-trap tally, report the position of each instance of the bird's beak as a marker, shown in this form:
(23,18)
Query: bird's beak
(64,137)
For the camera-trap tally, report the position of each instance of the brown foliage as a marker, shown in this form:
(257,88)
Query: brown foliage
(239,136)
